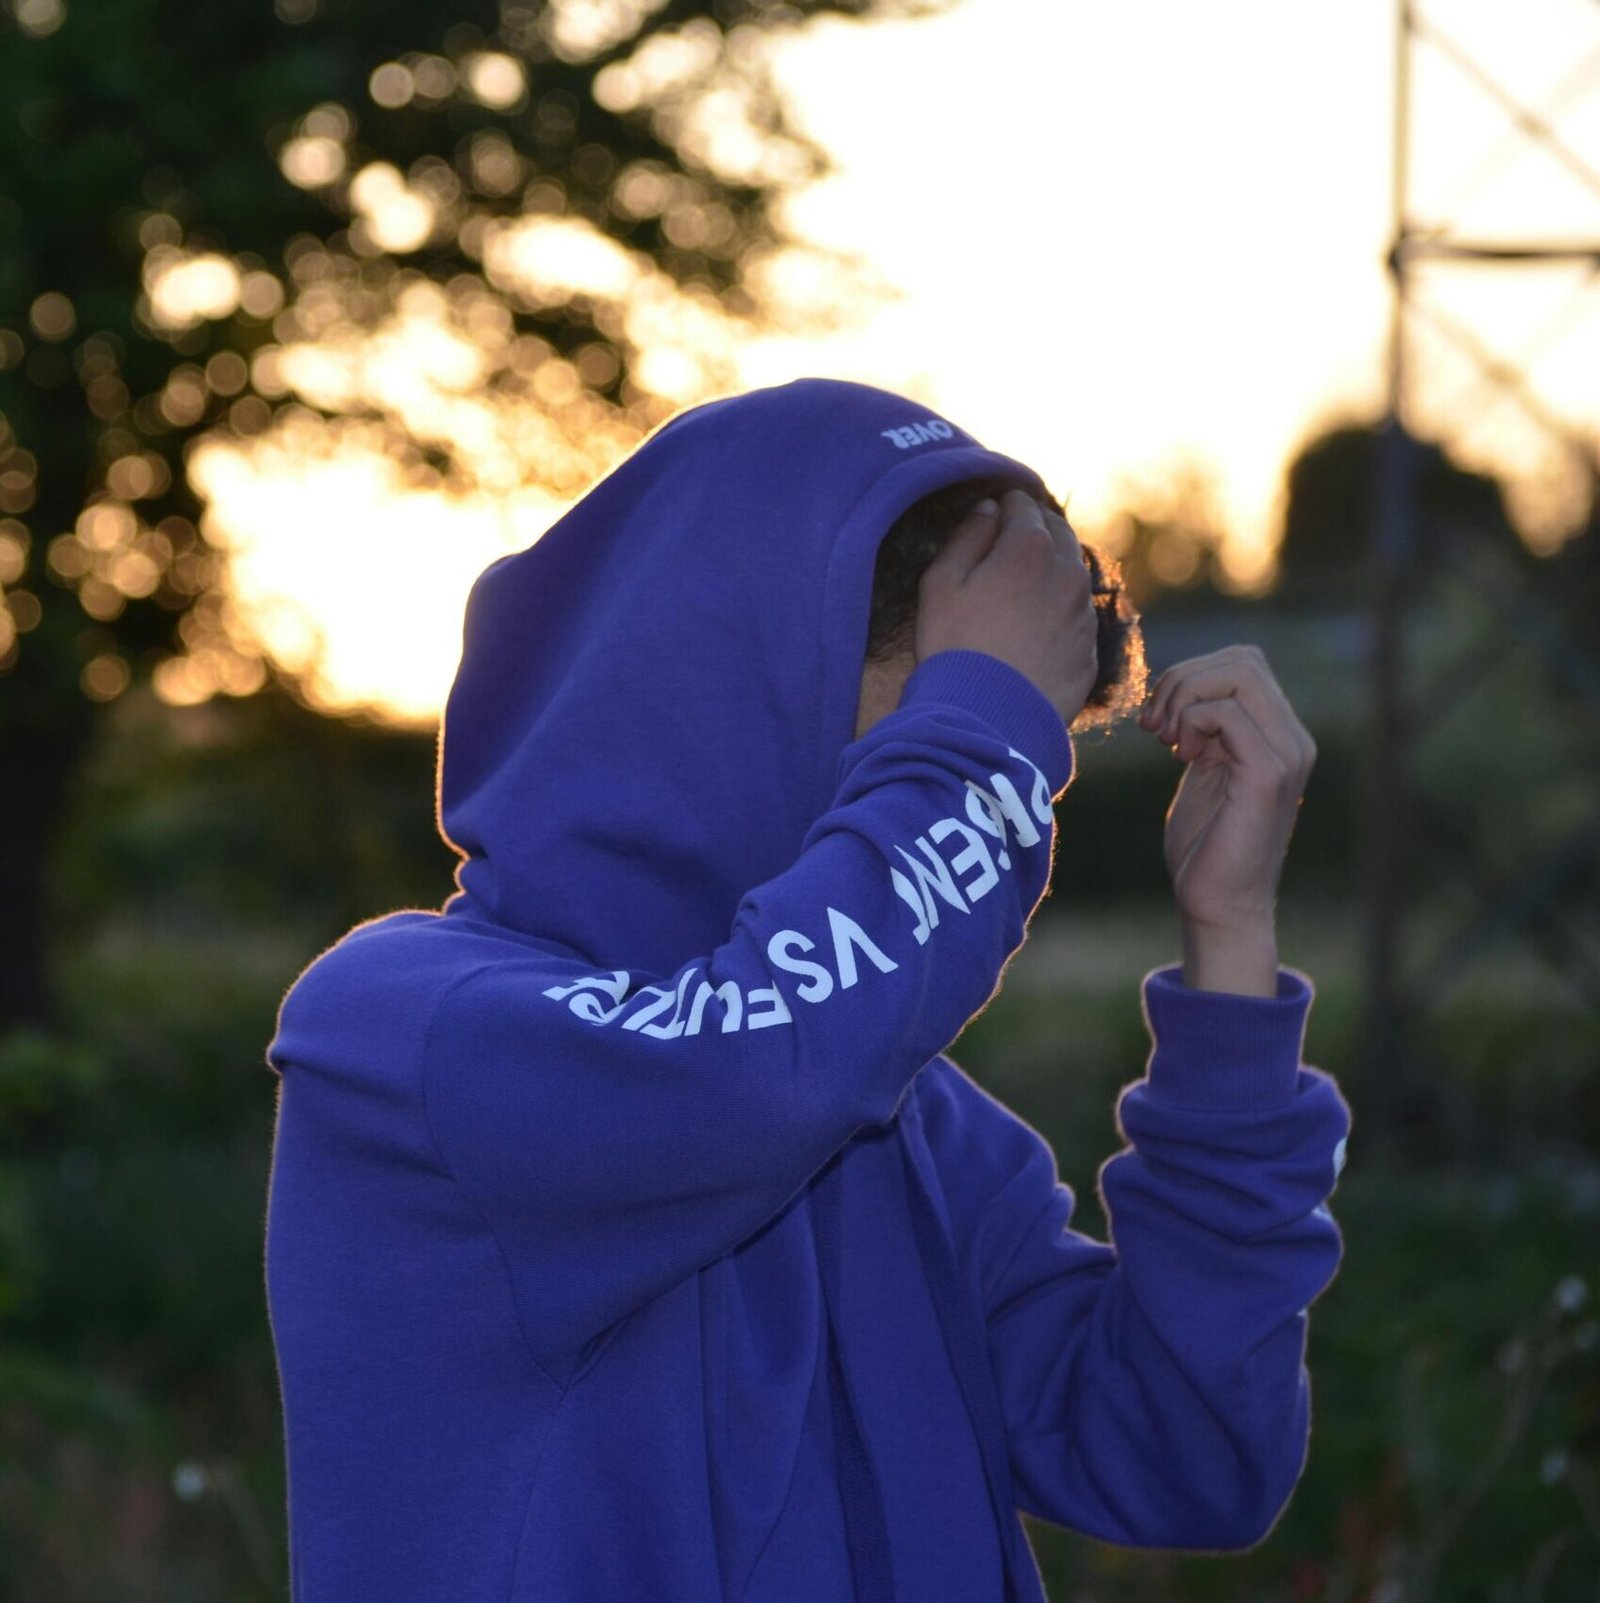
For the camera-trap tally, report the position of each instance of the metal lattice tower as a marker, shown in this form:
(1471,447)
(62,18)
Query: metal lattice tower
(1519,889)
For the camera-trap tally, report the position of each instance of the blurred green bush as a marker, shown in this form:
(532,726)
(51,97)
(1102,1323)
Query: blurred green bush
(140,1437)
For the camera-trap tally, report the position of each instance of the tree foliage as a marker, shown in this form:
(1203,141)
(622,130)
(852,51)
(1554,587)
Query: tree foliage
(190,193)
(212,218)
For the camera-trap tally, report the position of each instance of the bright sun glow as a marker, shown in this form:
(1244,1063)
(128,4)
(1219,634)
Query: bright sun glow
(1133,241)
(354,579)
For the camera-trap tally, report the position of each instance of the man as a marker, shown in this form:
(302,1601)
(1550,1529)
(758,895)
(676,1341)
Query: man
(630,1236)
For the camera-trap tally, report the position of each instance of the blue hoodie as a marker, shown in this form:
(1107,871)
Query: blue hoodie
(630,1234)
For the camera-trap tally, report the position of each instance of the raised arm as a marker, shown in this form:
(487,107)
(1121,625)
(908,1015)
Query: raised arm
(621,1129)
(1154,1387)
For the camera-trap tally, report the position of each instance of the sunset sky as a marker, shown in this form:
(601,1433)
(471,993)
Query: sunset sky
(1172,218)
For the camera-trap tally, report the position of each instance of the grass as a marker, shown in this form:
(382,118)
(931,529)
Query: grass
(1455,1453)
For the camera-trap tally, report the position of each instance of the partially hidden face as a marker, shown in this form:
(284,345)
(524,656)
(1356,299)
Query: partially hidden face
(1119,685)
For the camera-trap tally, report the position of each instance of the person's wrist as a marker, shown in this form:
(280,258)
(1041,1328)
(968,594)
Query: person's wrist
(1241,960)
(1003,696)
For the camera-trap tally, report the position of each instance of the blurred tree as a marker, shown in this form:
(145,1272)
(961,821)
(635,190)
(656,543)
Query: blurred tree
(1571,580)
(1168,534)
(1332,501)
(192,198)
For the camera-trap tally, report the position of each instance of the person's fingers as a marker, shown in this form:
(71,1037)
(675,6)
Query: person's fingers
(1065,536)
(969,543)
(1255,762)
(1229,665)
(1071,548)
(1241,672)
(1026,525)
(1022,523)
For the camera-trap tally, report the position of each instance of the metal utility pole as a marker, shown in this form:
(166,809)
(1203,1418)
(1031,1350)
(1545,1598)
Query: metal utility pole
(1404,828)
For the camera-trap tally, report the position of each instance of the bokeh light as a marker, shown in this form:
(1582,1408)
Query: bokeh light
(1139,375)
(395,217)
(312,161)
(495,79)
(106,676)
(38,19)
(52,316)
(185,288)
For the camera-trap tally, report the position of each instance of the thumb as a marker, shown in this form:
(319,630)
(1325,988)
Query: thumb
(969,543)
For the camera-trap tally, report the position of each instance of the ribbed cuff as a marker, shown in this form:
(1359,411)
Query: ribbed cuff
(1002,696)
(1215,1049)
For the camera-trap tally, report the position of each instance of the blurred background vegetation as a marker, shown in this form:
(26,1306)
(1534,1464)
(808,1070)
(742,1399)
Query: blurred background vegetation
(185,822)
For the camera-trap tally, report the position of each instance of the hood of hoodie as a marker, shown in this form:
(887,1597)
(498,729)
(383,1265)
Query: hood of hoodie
(654,698)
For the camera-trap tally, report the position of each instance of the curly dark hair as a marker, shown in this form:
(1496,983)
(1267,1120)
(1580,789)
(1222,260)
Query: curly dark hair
(918,535)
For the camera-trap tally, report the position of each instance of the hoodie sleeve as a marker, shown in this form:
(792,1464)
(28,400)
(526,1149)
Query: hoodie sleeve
(619,1129)
(1154,1390)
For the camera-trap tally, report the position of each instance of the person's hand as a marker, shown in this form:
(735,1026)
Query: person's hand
(1012,582)
(1249,757)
